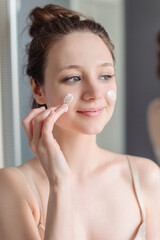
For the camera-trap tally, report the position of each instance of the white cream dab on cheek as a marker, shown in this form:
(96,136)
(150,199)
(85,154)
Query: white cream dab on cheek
(111,94)
(68,99)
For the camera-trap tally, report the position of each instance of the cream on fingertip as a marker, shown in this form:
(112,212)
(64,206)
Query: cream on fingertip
(66,109)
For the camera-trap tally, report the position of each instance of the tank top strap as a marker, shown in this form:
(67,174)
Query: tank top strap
(136,185)
(35,192)
(41,223)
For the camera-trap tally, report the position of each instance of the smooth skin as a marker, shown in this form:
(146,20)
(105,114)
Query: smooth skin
(90,189)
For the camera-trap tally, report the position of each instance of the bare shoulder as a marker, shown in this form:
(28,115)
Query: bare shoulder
(149,176)
(13,186)
(10,175)
(10,178)
(149,179)
(148,171)
(18,209)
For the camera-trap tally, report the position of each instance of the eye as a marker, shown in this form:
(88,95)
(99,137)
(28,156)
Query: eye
(106,77)
(71,79)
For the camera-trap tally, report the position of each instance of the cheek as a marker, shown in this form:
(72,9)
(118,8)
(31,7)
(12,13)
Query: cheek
(111,94)
(56,98)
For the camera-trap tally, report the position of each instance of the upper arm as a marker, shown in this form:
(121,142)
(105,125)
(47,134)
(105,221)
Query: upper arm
(16,217)
(149,175)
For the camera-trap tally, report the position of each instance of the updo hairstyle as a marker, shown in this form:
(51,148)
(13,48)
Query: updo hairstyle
(47,26)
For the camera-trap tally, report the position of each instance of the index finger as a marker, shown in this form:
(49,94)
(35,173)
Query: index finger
(28,121)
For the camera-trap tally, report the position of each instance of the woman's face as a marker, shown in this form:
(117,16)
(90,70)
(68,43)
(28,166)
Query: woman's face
(82,65)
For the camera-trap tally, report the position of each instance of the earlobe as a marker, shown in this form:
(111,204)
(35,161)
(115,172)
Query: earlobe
(37,92)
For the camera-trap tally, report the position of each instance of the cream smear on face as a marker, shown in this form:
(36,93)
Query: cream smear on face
(68,99)
(111,94)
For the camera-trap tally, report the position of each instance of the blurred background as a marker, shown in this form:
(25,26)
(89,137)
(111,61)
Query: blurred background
(132,26)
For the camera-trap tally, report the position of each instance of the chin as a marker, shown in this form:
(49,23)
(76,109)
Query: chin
(92,127)
(87,129)
(92,131)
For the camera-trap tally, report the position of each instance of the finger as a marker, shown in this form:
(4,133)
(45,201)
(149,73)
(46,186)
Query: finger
(32,114)
(42,120)
(38,124)
(62,109)
(50,120)
(28,122)
(47,129)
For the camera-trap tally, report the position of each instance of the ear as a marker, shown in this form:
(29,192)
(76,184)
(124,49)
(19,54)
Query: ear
(37,92)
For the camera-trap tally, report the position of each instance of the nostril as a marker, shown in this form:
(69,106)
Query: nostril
(93,94)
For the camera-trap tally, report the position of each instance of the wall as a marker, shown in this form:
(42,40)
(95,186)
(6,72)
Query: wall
(9,109)
(142,24)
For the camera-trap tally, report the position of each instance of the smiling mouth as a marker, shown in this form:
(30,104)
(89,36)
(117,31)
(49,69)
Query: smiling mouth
(91,112)
(91,109)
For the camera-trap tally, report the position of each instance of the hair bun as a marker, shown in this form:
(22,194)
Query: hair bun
(40,16)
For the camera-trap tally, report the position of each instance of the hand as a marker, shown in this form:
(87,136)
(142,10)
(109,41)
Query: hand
(38,125)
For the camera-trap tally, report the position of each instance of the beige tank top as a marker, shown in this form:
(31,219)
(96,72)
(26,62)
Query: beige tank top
(141,234)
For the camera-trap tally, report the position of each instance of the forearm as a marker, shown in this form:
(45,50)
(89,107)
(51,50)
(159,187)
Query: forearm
(59,223)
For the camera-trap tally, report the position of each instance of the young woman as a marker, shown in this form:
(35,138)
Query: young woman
(153,114)
(72,189)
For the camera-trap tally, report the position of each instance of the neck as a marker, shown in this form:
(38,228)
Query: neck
(80,150)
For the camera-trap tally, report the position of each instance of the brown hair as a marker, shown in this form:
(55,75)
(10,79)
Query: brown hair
(48,25)
(158,54)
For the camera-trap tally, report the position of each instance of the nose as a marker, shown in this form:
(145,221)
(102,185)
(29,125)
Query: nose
(92,91)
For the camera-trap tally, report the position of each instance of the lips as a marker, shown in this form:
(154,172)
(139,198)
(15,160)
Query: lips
(91,109)
(91,112)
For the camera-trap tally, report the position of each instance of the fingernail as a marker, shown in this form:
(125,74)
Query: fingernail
(52,113)
(66,109)
(43,107)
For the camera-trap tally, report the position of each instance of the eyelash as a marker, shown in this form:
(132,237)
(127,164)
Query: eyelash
(105,75)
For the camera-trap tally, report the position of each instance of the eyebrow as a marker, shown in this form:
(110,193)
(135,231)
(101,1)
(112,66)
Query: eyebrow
(79,67)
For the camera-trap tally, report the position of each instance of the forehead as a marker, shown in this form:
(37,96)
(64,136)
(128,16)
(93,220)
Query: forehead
(82,48)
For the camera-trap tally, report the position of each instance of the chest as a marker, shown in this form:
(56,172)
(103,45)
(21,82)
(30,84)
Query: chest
(104,208)
(102,212)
